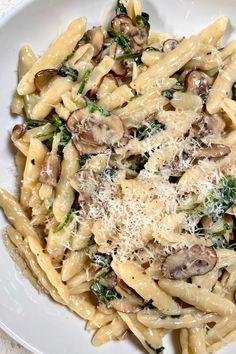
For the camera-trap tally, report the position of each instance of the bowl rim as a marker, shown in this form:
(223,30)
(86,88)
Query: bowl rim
(3,21)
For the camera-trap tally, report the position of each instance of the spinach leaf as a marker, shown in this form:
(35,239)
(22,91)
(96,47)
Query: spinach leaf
(234,91)
(94,108)
(65,222)
(65,134)
(66,71)
(143,20)
(135,56)
(103,293)
(101,259)
(120,39)
(218,241)
(179,86)
(148,130)
(157,350)
(33,123)
(83,158)
(120,8)
(84,81)
(219,200)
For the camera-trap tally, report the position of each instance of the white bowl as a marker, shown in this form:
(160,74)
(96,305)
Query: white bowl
(32,318)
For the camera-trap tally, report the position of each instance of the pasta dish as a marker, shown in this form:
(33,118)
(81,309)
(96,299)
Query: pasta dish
(126,163)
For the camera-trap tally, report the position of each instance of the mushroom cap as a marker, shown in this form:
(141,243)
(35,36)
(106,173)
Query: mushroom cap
(196,82)
(214,151)
(96,38)
(43,77)
(139,35)
(18,131)
(187,262)
(169,45)
(93,132)
(210,124)
(51,169)
(122,23)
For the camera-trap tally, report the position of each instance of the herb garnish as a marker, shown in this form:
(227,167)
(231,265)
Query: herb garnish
(95,108)
(34,123)
(135,56)
(83,158)
(179,86)
(148,130)
(143,20)
(101,259)
(103,293)
(84,81)
(120,8)
(65,222)
(120,39)
(219,200)
(66,71)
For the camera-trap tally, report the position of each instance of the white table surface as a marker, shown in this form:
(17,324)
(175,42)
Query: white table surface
(7,344)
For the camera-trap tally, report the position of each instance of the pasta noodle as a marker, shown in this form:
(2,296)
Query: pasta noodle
(126,166)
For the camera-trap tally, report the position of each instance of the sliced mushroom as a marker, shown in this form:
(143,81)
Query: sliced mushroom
(139,35)
(122,23)
(96,38)
(107,131)
(196,83)
(169,45)
(51,169)
(18,131)
(43,77)
(125,305)
(214,124)
(94,129)
(89,184)
(119,69)
(75,119)
(214,151)
(187,262)
(85,148)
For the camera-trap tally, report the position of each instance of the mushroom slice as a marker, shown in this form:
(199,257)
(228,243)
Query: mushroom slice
(89,185)
(94,130)
(119,69)
(187,262)
(75,119)
(107,130)
(211,124)
(139,35)
(51,169)
(125,305)
(214,151)
(18,131)
(122,23)
(96,38)
(169,45)
(85,148)
(43,77)
(196,83)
